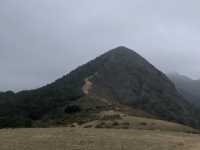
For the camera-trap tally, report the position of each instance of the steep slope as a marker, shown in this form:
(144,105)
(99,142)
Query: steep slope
(187,87)
(117,78)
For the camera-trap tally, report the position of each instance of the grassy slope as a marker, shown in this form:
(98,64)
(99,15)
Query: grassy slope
(140,134)
(118,120)
(95,139)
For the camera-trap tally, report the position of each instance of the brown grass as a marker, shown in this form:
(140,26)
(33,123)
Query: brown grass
(95,139)
(117,120)
(113,131)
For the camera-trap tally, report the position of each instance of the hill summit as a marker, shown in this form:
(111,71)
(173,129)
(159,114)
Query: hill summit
(118,78)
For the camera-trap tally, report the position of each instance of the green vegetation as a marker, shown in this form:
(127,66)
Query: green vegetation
(120,76)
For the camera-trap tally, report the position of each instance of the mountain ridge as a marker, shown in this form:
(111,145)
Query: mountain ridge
(119,77)
(187,87)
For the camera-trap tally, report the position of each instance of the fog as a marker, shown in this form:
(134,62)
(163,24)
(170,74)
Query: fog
(42,40)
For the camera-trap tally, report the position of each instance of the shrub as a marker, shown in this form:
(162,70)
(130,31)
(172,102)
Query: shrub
(71,109)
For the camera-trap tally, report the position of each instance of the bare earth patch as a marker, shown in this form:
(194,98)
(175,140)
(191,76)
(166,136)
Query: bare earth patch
(87,86)
(95,139)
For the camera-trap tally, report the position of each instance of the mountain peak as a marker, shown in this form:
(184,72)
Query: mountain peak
(120,77)
(122,50)
(122,55)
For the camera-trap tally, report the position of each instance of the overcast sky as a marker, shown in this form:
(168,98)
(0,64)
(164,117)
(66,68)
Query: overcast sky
(41,40)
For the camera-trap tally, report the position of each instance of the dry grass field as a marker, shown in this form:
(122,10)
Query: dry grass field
(118,120)
(96,139)
(112,131)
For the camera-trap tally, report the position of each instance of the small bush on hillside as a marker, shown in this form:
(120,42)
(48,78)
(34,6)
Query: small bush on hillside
(143,123)
(111,117)
(71,109)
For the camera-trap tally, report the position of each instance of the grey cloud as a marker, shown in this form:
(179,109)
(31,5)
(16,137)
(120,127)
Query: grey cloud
(41,40)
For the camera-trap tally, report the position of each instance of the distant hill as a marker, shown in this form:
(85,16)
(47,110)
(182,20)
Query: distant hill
(117,79)
(188,87)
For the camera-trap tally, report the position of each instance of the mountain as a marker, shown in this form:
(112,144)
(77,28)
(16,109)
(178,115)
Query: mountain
(188,87)
(120,79)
